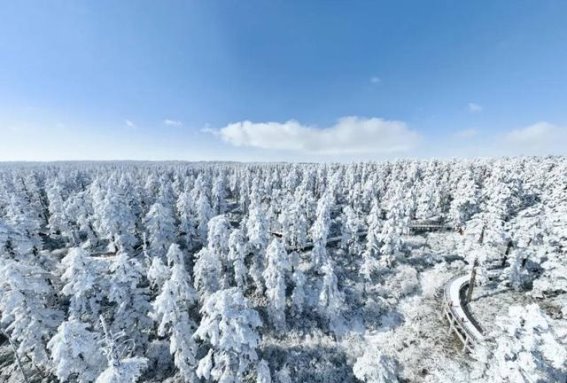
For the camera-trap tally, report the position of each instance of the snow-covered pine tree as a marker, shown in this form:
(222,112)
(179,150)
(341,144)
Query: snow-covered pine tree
(218,195)
(85,284)
(525,349)
(212,264)
(185,208)
(28,311)
(130,298)
(204,213)
(298,294)
(119,370)
(373,241)
(375,367)
(79,212)
(465,201)
(258,237)
(160,224)
(117,222)
(229,327)
(172,311)
(293,221)
(396,225)
(331,300)
(350,227)
(58,223)
(277,266)
(320,230)
(24,221)
(237,257)
(157,273)
(76,352)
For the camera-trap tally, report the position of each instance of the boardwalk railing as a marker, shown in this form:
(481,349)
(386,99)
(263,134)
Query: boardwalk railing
(460,322)
(309,245)
(424,227)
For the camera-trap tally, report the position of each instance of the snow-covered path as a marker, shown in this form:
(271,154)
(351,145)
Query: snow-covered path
(460,321)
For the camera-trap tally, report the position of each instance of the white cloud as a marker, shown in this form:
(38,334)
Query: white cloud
(350,135)
(173,123)
(466,133)
(130,124)
(474,108)
(538,135)
(375,80)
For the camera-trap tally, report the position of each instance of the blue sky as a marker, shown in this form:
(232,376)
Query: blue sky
(281,80)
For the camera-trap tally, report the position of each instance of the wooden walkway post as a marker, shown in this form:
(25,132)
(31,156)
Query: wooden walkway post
(473,271)
(471,281)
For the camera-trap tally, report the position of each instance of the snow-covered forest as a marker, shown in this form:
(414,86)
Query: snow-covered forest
(229,272)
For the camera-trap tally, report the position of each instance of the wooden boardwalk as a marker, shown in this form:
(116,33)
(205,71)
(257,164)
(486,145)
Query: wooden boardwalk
(426,227)
(309,245)
(460,321)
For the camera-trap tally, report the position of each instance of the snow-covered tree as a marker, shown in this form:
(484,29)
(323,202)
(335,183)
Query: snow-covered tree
(85,284)
(131,299)
(218,195)
(277,265)
(553,280)
(172,311)
(13,244)
(293,221)
(237,256)
(373,241)
(28,311)
(526,349)
(428,198)
(210,271)
(375,367)
(320,230)
(76,353)
(229,327)
(185,208)
(157,273)
(117,222)
(58,223)
(263,373)
(119,370)
(396,225)
(208,268)
(217,236)
(331,300)
(283,375)
(466,201)
(258,237)
(298,294)
(23,221)
(204,213)
(350,228)
(79,212)
(160,224)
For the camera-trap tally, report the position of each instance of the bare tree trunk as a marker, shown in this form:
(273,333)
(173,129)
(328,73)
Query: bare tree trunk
(15,350)
(471,281)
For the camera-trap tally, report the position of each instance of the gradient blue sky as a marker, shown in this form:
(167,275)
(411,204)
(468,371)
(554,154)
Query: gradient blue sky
(178,79)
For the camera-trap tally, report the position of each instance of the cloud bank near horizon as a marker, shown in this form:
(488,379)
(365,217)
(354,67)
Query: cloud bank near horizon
(349,139)
(352,136)
(349,135)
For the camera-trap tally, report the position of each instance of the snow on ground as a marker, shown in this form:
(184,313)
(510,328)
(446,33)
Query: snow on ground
(402,315)
(488,303)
